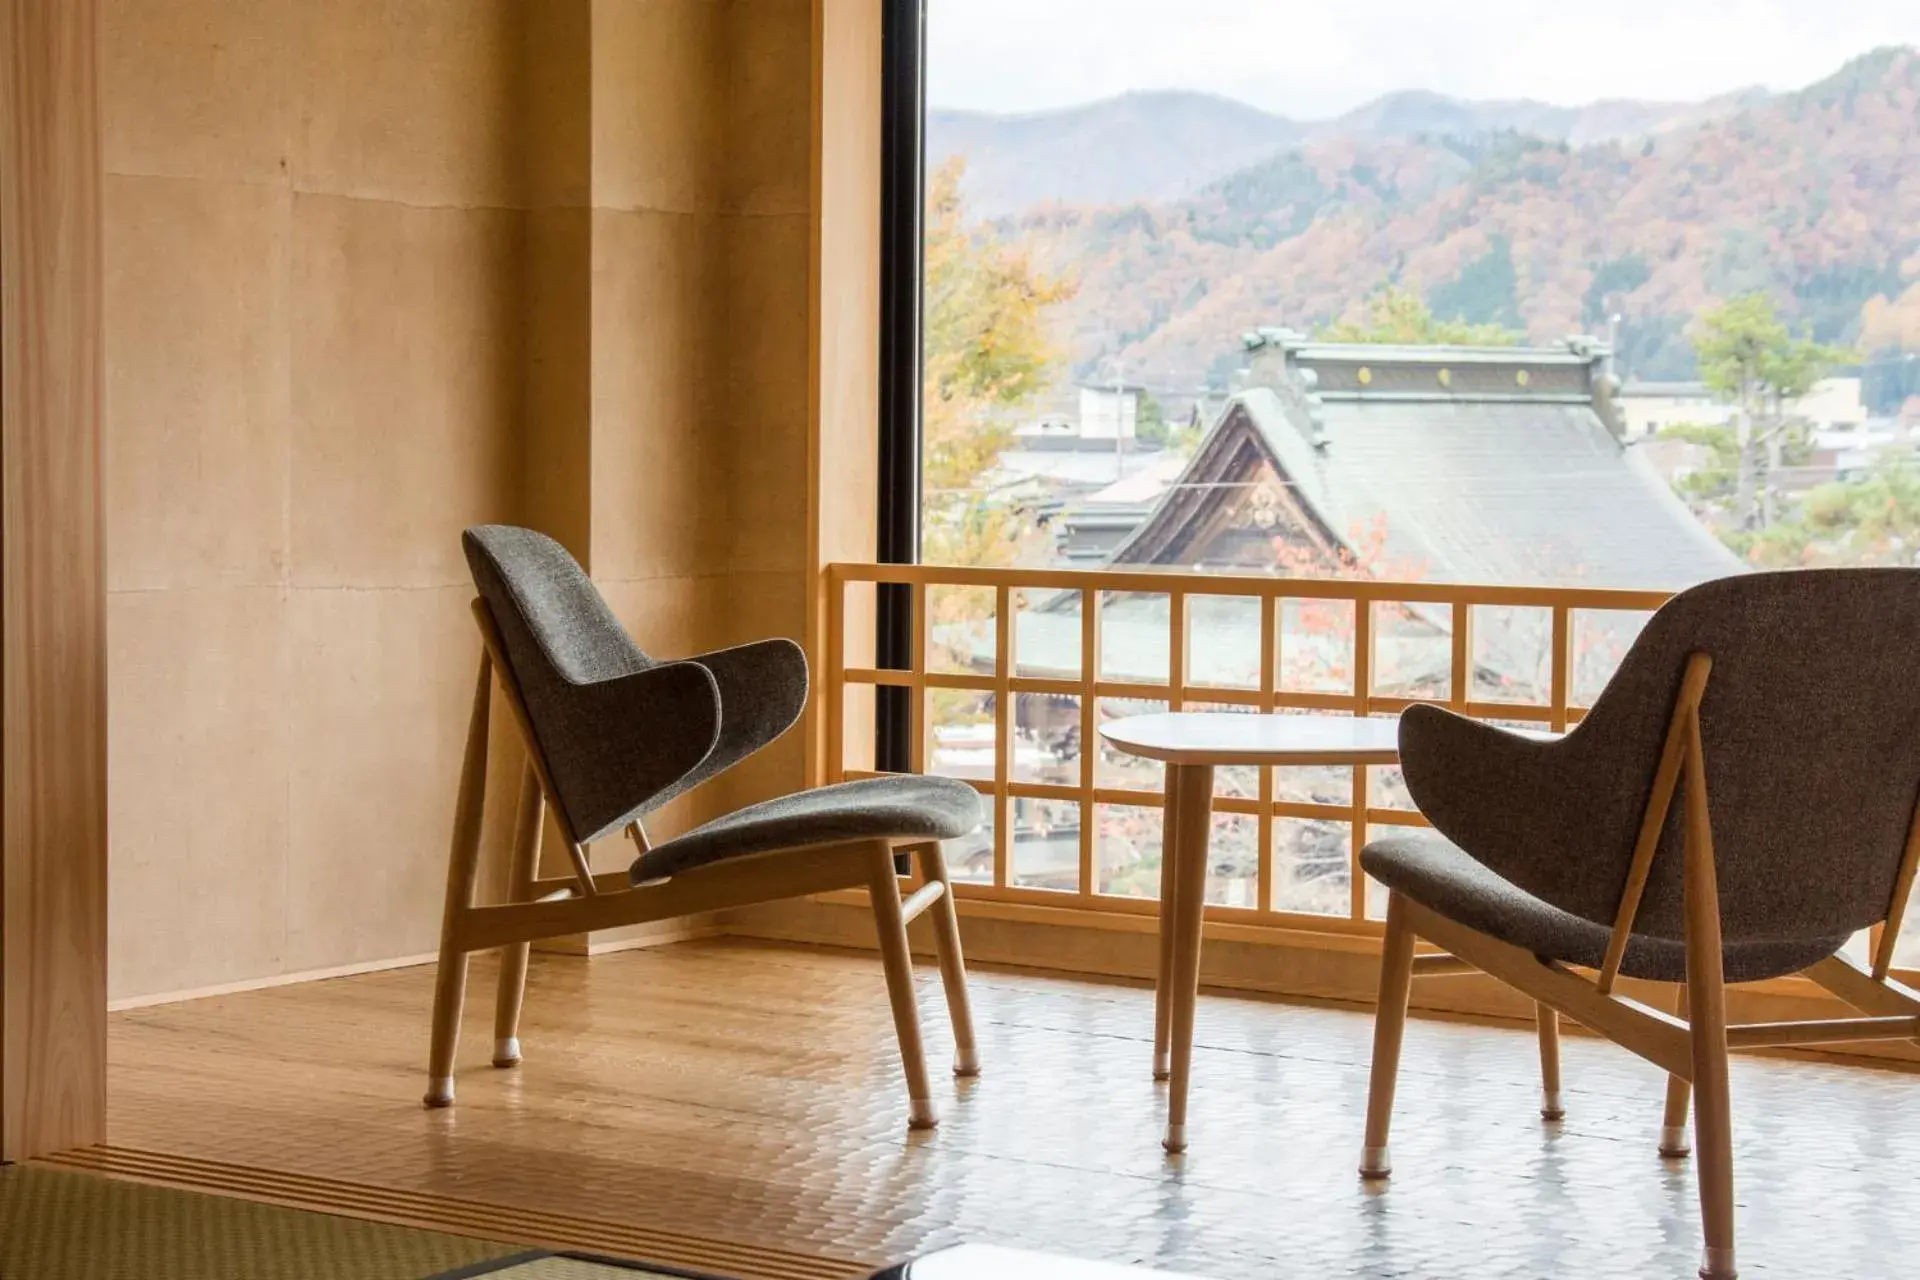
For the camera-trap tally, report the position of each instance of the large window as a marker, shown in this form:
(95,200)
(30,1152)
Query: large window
(1606,296)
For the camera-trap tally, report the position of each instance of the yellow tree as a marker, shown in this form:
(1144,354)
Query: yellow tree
(986,351)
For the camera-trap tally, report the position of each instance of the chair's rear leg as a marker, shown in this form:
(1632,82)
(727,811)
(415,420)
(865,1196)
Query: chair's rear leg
(1389,1023)
(528,818)
(891,924)
(1713,1130)
(1674,1141)
(1707,1026)
(1548,1020)
(953,964)
(463,865)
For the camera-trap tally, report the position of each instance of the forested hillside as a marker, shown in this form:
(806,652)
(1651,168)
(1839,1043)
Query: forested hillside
(1813,195)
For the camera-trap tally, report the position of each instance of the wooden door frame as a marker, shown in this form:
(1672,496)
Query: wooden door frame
(53,776)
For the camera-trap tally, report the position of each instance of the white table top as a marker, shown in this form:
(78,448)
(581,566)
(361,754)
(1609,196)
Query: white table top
(1224,738)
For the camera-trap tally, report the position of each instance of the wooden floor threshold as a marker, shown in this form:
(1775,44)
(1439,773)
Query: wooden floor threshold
(506,1223)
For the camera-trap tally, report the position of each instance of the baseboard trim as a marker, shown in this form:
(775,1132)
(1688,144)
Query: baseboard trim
(574,945)
(267,981)
(507,1224)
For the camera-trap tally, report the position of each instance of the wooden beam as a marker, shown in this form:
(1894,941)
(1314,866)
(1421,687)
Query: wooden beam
(923,897)
(1758,1035)
(1902,895)
(53,837)
(1860,989)
(1653,820)
(735,882)
(1655,1035)
(843,313)
(1440,966)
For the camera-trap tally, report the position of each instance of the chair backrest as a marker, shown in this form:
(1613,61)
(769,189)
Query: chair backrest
(1811,729)
(550,614)
(569,657)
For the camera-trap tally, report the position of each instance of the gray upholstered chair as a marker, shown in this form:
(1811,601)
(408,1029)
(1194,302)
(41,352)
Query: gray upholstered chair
(611,734)
(1792,702)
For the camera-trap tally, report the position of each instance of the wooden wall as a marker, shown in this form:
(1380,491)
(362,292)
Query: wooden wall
(53,800)
(378,269)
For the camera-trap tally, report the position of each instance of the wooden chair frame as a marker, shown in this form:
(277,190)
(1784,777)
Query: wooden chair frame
(1690,1044)
(539,908)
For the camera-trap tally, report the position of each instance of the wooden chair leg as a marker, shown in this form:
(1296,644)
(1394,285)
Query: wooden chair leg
(1389,1023)
(1713,1130)
(463,865)
(1547,1019)
(1169,912)
(1707,1026)
(529,817)
(1674,1143)
(953,963)
(891,923)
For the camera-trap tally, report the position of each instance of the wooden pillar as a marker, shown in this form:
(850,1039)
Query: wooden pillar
(53,847)
(843,448)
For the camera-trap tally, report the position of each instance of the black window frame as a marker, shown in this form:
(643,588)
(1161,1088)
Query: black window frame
(903,109)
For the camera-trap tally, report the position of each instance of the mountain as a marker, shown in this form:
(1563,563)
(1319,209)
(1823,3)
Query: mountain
(1814,195)
(1416,113)
(1137,147)
(1156,147)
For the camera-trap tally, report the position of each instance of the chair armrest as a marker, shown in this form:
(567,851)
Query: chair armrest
(1519,805)
(637,739)
(763,690)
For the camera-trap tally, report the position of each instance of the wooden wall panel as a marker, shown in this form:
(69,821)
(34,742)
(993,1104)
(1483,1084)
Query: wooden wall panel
(332,231)
(444,261)
(53,853)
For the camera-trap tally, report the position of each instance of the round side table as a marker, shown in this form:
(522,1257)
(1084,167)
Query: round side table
(1192,744)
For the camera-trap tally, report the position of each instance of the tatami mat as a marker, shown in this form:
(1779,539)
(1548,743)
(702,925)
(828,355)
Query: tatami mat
(56,1225)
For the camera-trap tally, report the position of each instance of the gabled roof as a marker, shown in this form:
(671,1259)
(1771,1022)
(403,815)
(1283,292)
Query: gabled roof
(1516,490)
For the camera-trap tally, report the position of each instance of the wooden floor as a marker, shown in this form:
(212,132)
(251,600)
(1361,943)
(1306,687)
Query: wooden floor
(750,1095)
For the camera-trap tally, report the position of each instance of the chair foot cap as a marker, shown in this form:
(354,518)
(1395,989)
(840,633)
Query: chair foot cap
(506,1053)
(921,1115)
(1162,1070)
(966,1064)
(1550,1107)
(1674,1143)
(439,1092)
(1375,1162)
(1717,1264)
(1176,1139)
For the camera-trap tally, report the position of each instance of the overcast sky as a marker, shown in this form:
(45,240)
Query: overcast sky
(1317,60)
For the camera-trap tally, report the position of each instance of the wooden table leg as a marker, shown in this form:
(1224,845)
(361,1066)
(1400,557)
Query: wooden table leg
(1163,981)
(1190,800)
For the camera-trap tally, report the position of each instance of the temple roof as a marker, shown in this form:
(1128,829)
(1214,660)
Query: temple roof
(1517,490)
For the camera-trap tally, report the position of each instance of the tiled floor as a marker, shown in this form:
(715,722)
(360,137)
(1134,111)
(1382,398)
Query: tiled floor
(752,1093)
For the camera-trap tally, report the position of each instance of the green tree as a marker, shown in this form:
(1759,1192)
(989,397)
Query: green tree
(1487,290)
(986,350)
(1152,426)
(1872,520)
(1752,361)
(1396,315)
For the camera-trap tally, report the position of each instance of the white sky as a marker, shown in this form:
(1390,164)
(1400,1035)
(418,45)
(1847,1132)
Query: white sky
(1316,60)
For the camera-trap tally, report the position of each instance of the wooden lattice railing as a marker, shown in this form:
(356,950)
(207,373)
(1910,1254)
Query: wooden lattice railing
(1011,672)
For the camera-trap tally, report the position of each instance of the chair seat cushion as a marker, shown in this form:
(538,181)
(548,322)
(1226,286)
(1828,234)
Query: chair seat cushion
(897,807)
(1442,877)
